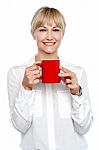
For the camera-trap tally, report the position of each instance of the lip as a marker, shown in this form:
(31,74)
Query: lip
(49,43)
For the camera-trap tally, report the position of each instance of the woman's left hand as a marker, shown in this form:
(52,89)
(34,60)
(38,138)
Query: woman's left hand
(70,79)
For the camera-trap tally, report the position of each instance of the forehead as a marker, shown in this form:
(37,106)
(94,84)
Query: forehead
(48,21)
(53,25)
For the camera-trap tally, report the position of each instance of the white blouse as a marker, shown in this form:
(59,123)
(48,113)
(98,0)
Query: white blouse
(49,117)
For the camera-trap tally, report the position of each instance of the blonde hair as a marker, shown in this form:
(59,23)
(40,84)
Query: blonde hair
(46,15)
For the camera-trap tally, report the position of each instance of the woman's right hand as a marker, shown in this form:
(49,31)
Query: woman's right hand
(31,77)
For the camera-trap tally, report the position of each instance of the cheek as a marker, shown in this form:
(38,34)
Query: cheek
(58,42)
(39,38)
(59,37)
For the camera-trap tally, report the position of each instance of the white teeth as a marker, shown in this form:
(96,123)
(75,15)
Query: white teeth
(49,44)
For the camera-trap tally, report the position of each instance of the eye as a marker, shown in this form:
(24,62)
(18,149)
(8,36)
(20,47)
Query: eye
(42,30)
(56,30)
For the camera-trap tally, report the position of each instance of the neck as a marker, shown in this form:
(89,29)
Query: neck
(39,56)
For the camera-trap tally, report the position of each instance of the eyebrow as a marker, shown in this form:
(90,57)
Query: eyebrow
(52,27)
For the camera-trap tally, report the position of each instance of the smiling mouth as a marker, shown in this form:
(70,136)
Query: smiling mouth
(49,43)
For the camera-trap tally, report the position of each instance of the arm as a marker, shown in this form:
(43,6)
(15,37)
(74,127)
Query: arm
(20,102)
(81,109)
(81,113)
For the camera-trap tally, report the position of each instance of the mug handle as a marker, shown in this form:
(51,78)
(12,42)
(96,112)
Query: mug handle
(40,65)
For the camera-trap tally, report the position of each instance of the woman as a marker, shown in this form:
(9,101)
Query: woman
(49,116)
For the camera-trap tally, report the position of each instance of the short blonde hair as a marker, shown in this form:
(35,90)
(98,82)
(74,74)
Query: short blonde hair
(46,15)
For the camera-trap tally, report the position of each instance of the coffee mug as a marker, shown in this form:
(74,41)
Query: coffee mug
(50,70)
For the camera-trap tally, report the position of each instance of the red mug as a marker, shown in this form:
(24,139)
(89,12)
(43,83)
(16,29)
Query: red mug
(50,70)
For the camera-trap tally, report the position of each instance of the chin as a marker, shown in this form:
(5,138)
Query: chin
(51,50)
(50,53)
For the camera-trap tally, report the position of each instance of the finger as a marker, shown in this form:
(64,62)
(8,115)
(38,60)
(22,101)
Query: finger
(33,67)
(37,62)
(65,75)
(37,76)
(68,81)
(72,86)
(64,69)
(33,72)
(68,74)
(34,77)
(30,82)
(33,82)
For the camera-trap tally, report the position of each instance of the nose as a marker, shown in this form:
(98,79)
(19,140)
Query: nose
(49,35)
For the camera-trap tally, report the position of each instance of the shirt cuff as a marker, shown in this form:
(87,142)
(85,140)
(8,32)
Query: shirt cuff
(78,99)
(25,93)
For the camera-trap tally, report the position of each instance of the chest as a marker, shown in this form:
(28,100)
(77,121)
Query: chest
(54,99)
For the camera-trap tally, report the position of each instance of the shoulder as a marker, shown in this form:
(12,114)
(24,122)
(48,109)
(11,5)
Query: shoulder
(18,71)
(70,66)
(78,70)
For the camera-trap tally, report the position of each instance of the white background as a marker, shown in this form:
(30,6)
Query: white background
(80,46)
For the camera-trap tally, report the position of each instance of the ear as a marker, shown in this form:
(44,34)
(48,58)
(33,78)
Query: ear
(33,34)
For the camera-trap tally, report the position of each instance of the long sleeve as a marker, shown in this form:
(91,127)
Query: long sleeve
(20,102)
(81,114)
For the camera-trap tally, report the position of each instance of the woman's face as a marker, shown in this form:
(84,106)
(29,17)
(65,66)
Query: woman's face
(48,38)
